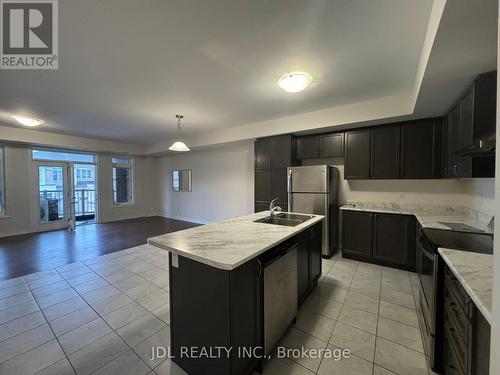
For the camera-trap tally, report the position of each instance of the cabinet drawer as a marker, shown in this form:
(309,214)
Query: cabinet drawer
(457,316)
(453,285)
(451,362)
(455,346)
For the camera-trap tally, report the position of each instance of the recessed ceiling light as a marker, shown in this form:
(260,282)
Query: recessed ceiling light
(295,81)
(28,121)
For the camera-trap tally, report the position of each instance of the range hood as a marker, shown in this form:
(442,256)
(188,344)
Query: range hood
(481,147)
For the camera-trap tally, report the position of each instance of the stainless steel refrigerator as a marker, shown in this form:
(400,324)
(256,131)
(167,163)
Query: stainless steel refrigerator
(314,190)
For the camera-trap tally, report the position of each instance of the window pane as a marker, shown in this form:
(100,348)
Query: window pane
(2,187)
(119,160)
(122,185)
(51,189)
(62,156)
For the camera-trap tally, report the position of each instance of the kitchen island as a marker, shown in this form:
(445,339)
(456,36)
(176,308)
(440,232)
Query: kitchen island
(217,289)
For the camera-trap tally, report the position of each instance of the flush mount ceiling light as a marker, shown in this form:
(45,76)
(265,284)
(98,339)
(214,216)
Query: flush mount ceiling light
(295,81)
(179,146)
(28,121)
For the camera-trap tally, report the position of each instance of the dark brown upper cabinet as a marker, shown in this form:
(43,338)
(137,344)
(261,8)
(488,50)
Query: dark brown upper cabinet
(331,145)
(308,147)
(470,119)
(262,185)
(320,146)
(279,188)
(420,149)
(275,152)
(357,154)
(385,152)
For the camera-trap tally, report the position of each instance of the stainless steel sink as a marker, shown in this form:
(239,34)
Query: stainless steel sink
(285,219)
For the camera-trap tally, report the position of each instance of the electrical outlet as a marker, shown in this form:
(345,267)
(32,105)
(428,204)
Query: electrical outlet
(401,195)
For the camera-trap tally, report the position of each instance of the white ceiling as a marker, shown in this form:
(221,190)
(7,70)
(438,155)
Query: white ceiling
(127,67)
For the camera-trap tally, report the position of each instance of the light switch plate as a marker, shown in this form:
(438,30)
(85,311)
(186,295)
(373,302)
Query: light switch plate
(175,260)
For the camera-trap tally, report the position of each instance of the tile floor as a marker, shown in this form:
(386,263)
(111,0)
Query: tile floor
(104,315)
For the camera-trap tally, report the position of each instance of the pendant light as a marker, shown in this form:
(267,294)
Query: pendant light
(179,146)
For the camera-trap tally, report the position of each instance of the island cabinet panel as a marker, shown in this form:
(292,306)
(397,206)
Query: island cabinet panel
(211,307)
(308,260)
(421,149)
(357,233)
(357,154)
(385,152)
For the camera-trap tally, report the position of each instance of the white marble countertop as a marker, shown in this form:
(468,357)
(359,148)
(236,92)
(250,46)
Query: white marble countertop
(229,243)
(475,273)
(427,216)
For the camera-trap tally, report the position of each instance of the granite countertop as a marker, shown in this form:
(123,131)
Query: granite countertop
(229,243)
(429,216)
(475,273)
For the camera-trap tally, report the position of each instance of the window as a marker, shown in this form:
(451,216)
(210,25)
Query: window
(2,186)
(122,180)
(62,156)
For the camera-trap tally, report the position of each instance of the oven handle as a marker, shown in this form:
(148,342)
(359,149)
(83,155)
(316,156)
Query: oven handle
(428,254)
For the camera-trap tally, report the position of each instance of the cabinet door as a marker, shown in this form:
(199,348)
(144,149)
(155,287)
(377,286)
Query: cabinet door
(315,242)
(262,185)
(263,152)
(420,149)
(466,132)
(357,232)
(279,188)
(389,238)
(307,147)
(331,145)
(454,139)
(385,152)
(282,150)
(303,267)
(357,154)
(485,105)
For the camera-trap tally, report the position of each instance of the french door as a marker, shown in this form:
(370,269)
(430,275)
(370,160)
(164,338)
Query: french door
(51,195)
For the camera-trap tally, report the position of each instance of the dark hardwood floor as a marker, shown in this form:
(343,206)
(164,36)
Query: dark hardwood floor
(28,253)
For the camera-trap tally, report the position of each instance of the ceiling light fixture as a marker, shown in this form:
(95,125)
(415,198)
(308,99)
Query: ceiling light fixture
(28,121)
(179,146)
(295,81)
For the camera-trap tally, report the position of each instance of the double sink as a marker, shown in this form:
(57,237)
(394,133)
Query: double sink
(285,219)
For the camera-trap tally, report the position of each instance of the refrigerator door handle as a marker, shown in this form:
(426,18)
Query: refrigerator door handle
(289,189)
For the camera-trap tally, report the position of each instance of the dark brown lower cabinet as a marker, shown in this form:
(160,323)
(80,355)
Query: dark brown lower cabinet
(308,260)
(387,239)
(357,233)
(466,333)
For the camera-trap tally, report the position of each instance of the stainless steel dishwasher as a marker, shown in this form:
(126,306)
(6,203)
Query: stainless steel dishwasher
(280,292)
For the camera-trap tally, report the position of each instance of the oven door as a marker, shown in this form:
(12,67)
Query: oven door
(427,268)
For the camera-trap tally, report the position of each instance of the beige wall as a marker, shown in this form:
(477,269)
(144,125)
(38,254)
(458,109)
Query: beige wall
(18,194)
(473,193)
(222,184)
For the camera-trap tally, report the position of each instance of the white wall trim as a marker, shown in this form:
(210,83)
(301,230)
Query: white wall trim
(184,218)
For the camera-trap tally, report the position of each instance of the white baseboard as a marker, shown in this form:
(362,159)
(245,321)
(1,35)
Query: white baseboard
(183,218)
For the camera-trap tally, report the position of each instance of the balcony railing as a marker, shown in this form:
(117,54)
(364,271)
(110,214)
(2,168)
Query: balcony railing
(85,202)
